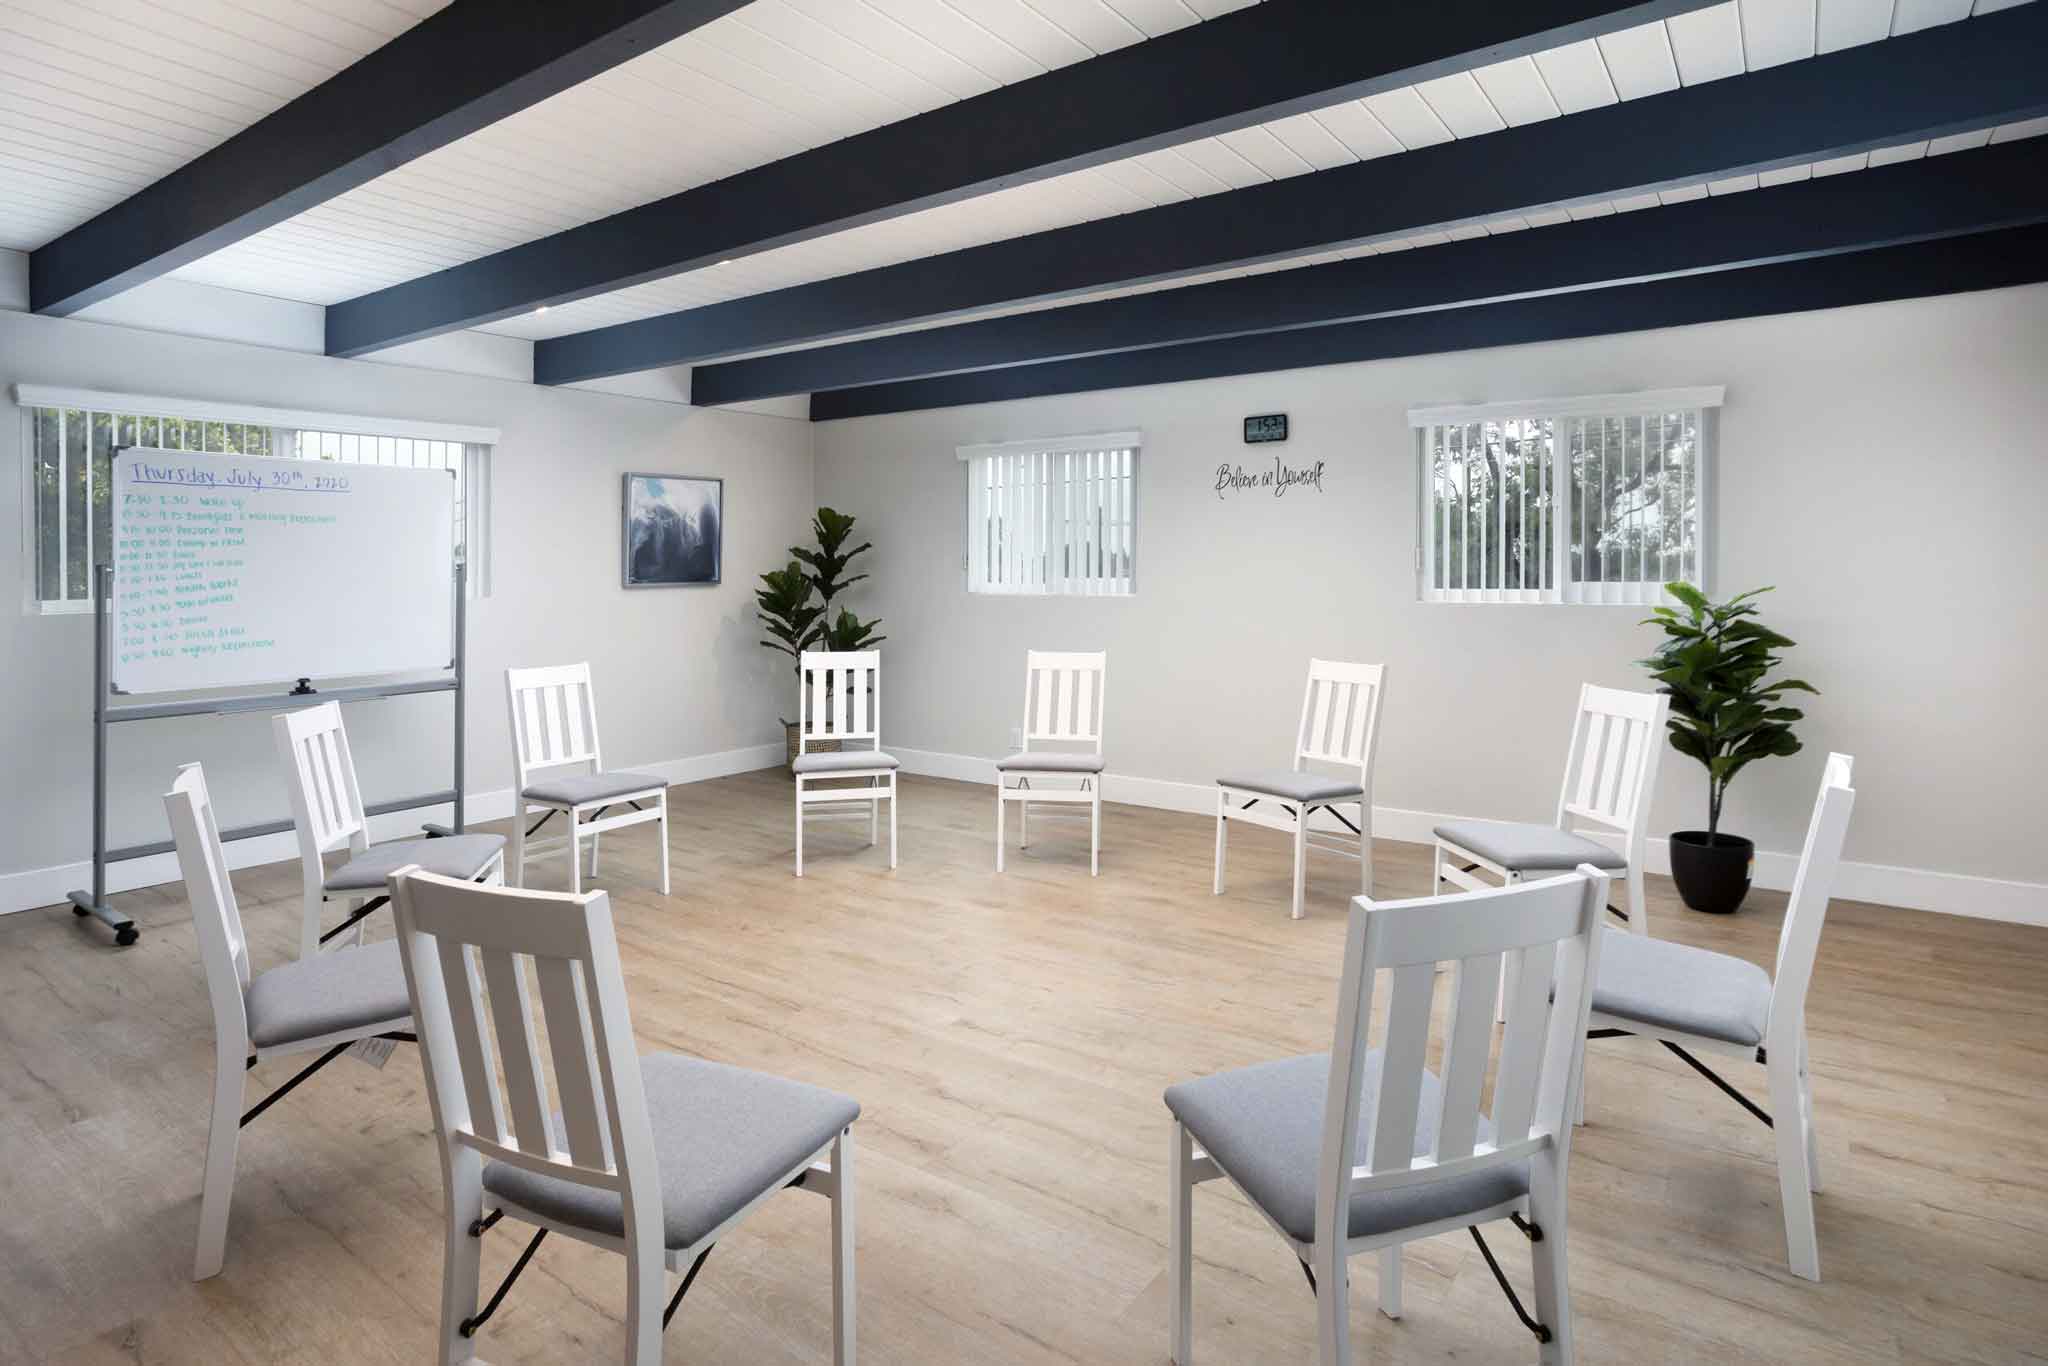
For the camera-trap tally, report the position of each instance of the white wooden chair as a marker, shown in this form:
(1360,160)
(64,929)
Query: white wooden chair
(1695,999)
(324,1004)
(1064,707)
(1359,1151)
(1340,714)
(839,697)
(656,1158)
(1610,776)
(554,730)
(327,812)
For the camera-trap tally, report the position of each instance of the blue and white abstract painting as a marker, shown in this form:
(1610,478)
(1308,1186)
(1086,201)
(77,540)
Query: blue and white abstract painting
(674,530)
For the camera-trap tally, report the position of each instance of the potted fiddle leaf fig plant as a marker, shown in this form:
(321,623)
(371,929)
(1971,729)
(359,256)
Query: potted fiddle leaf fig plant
(1716,662)
(796,623)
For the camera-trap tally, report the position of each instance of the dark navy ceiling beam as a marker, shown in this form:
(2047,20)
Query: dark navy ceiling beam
(2011,256)
(1264,62)
(1961,76)
(456,71)
(1975,191)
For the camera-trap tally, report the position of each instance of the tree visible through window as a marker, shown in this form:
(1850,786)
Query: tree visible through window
(1560,506)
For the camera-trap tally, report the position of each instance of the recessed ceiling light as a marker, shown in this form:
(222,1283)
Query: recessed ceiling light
(542,309)
(726,262)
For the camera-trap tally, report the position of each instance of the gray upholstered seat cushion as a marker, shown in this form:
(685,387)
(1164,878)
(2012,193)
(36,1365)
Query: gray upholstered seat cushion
(1527,847)
(722,1136)
(462,856)
(326,994)
(574,789)
(841,761)
(1051,761)
(1296,787)
(1264,1126)
(1676,986)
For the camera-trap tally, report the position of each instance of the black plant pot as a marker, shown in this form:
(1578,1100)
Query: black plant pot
(1712,871)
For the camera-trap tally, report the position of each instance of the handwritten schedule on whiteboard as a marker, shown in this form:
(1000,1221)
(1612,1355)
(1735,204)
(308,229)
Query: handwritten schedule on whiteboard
(232,570)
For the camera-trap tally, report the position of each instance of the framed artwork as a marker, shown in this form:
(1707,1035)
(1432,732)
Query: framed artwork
(674,530)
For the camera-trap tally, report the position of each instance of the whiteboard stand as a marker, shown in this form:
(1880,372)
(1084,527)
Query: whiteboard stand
(106,712)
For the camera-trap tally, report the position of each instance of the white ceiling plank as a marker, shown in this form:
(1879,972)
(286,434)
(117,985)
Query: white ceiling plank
(1577,76)
(1682,194)
(1517,90)
(1639,61)
(1185,174)
(2013,132)
(1892,156)
(1785,175)
(1599,208)
(1910,16)
(1157,17)
(1707,44)
(1630,203)
(1461,105)
(854,22)
(958,34)
(1091,22)
(1267,152)
(1311,141)
(1352,124)
(1851,23)
(1777,31)
(1840,165)
(1993,6)
(1024,28)
(1219,159)
(1406,115)
(1958,142)
(1732,185)
(1149,184)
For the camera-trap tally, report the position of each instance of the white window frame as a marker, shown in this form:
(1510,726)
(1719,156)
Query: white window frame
(1052,523)
(1702,402)
(477,443)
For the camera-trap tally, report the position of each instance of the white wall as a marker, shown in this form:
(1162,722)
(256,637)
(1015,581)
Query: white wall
(678,674)
(1883,466)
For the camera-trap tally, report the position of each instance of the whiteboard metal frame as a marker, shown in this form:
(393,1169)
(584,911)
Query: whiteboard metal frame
(93,903)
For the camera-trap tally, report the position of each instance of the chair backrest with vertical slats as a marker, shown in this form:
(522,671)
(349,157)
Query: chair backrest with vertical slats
(554,718)
(327,806)
(1547,934)
(1064,701)
(469,952)
(1340,713)
(1799,937)
(839,697)
(1611,770)
(216,919)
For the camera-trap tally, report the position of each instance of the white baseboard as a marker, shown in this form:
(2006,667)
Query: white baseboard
(50,886)
(1919,889)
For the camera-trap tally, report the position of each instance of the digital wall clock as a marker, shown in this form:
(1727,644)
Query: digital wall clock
(1264,427)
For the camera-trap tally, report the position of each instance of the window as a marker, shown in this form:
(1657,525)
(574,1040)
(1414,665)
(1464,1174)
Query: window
(72,436)
(1590,500)
(1054,516)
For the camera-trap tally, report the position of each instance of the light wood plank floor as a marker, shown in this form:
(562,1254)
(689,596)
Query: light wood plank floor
(1009,1038)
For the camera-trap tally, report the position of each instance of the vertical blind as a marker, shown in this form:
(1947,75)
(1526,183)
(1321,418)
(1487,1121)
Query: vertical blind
(1547,504)
(1057,516)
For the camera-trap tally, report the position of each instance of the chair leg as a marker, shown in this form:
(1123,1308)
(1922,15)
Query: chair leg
(1000,803)
(1222,835)
(1806,1118)
(1333,1306)
(595,841)
(309,924)
(1390,1280)
(662,826)
(892,820)
(1024,821)
(844,1302)
(874,820)
(1436,871)
(799,826)
(1501,1003)
(1300,860)
(1095,834)
(516,854)
(1795,1183)
(461,1266)
(1638,906)
(1180,1251)
(575,853)
(646,1296)
(217,1188)
(1365,848)
(1547,1259)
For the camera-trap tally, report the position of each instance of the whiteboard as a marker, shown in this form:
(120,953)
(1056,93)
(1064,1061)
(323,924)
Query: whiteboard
(233,569)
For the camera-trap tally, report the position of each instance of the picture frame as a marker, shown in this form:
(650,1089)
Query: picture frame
(671,530)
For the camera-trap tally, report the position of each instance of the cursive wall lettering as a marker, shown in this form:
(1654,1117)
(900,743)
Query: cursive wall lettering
(1282,477)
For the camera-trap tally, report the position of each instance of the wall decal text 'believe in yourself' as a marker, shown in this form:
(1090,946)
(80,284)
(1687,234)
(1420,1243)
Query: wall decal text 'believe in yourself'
(1282,477)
